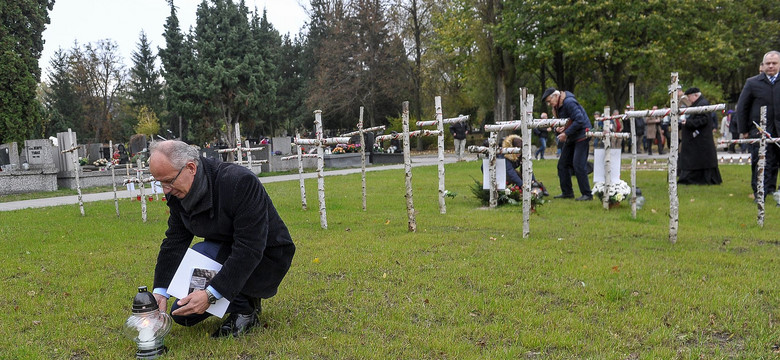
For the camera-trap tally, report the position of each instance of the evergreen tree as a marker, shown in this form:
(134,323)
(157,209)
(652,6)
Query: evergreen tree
(228,76)
(264,119)
(145,88)
(21,42)
(291,93)
(177,69)
(61,101)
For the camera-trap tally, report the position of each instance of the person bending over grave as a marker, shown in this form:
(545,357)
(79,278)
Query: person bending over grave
(698,162)
(514,164)
(574,153)
(227,206)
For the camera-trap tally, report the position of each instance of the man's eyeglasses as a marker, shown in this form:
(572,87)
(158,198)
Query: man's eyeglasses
(169,184)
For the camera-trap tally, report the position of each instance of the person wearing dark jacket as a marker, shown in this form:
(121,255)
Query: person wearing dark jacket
(227,206)
(459,131)
(542,134)
(759,91)
(698,162)
(574,153)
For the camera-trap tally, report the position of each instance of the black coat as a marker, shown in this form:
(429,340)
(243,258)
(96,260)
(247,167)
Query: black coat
(238,211)
(757,92)
(697,148)
(458,130)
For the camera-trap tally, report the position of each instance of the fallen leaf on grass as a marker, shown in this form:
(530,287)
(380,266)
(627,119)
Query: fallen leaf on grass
(653,211)
(492,239)
(316,260)
(387,222)
(384,275)
(31,293)
(692,200)
(615,269)
(36,322)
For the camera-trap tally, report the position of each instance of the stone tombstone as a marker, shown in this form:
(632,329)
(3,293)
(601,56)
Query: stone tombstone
(40,153)
(106,152)
(94,152)
(283,144)
(210,153)
(63,160)
(9,155)
(137,143)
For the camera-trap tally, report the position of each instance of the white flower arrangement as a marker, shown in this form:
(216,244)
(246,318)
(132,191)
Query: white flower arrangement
(100,162)
(617,192)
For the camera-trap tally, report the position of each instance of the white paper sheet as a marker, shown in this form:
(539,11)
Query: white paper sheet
(500,174)
(157,188)
(180,284)
(599,170)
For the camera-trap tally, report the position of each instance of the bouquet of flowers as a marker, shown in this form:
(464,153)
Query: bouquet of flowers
(338,150)
(617,192)
(378,149)
(100,162)
(352,148)
(512,195)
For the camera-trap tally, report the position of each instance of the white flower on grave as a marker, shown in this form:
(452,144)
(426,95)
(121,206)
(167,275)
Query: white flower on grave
(617,192)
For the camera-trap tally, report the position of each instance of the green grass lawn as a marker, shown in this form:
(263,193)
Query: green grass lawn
(588,283)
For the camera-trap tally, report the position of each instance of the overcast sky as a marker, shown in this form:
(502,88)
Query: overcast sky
(88,21)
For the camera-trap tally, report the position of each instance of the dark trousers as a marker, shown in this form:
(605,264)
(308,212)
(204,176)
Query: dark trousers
(770,170)
(241,304)
(574,155)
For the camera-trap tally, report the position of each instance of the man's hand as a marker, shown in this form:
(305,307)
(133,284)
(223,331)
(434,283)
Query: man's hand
(744,135)
(162,302)
(195,303)
(562,137)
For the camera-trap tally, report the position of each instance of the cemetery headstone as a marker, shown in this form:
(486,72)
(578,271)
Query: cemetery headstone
(281,143)
(93,152)
(137,143)
(65,165)
(40,153)
(210,153)
(9,156)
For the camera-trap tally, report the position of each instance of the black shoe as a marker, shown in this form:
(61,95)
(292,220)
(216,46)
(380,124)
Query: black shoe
(236,325)
(584,198)
(563,196)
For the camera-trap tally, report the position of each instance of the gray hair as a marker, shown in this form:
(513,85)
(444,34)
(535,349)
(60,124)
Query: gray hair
(178,153)
(773,52)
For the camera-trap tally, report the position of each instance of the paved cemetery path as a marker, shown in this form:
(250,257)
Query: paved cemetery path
(417,160)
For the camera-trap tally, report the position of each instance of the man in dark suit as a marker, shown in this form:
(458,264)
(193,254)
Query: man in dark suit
(227,206)
(759,91)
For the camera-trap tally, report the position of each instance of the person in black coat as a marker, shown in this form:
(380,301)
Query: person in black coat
(227,206)
(757,92)
(698,162)
(459,131)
